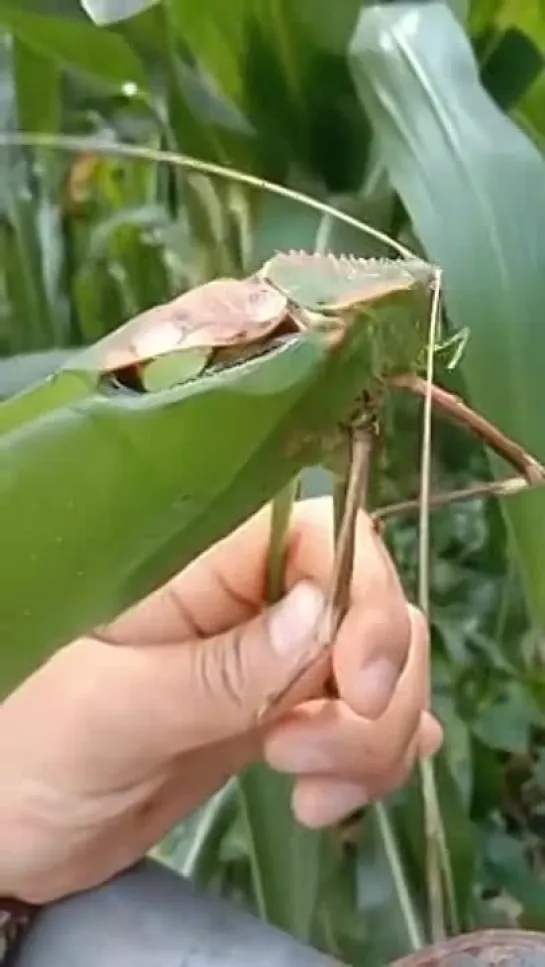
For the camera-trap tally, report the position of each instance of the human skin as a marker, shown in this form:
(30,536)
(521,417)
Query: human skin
(123,733)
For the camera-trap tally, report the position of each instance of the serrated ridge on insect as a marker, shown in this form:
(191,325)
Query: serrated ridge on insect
(329,282)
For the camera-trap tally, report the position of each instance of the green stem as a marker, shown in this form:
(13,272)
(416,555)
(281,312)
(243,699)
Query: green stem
(280,521)
(402,888)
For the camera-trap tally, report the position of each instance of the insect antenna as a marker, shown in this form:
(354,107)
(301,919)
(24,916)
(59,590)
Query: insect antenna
(438,864)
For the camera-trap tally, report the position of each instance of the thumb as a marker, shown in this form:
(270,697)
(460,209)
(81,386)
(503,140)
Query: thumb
(234,675)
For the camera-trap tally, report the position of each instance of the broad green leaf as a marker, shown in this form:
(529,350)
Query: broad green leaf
(474,187)
(19,372)
(37,83)
(222,35)
(330,25)
(530,113)
(81,438)
(251,49)
(281,224)
(512,67)
(528,16)
(290,863)
(507,723)
(502,726)
(99,54)
(110,11)
(507,869)
(49,8)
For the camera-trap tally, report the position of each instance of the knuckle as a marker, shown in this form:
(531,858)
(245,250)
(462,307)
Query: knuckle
(220,671)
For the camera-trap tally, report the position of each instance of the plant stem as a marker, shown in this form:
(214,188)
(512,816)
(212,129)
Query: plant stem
(361,442)
(457,409)
(493,488)
(361,437)
(398,875)
(280,520)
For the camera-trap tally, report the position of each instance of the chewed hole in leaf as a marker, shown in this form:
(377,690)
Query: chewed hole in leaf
(174,369)
(158,374)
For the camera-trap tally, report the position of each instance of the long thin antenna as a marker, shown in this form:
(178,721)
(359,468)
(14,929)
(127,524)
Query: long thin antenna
(437,855)
(425,464)
(74,144)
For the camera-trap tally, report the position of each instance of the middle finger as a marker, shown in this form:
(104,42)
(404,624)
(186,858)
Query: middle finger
(330,737)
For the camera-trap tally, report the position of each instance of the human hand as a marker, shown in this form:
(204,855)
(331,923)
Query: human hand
(123,733)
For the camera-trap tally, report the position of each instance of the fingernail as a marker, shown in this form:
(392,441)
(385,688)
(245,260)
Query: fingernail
(293,621)
(340,800)
(376,686)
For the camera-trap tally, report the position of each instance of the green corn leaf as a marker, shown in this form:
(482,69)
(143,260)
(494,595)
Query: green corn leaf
(474,187)
(176,469)
(290,864)
(37,83)
(155,463)
(49,8)
(17,373)
(99,54)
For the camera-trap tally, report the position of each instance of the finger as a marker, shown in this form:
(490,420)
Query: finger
(329,737)
(296,754)
(371,650)
(319,800)
(226,585)
(411,696)
(326,737)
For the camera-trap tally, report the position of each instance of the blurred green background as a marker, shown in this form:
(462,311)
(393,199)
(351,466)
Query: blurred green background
(427,120)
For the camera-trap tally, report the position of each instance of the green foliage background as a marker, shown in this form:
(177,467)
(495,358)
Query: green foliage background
(427,120)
